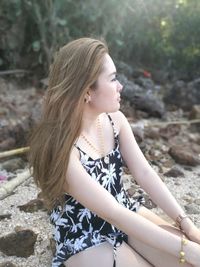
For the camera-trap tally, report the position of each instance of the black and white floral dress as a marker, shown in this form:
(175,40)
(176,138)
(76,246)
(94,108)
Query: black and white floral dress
(75,227)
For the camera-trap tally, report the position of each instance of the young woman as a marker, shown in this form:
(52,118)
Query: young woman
(77,154)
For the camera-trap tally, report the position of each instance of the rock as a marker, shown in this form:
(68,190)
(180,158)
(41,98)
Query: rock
(183,95)
(52,243)
(23,108)
(160,76)
(126,170)
(195,112)
(33,206)
(131,191)
(148,103)
(19,243)
(127,181)
(146,83)
(13,164)
(187,168)
(169,131)
(167,163)
(149,204)
(194,137)
(195,148)
(14,129)
(155,155)
(192,209)
(7,144)
(188,199)
(152,133)
(129,86)
(3,111)
(5,216)
(197,201)
(140,114)
(44,82)
(174,172)
(140,99)
(141,191)
(7,264)
(124,68)
(126,108)
(35,114)
(191,194)
(182,156)
(138,132)
(21,130)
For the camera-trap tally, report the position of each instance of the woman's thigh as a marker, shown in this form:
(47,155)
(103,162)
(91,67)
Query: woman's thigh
(102,255)
(157,257)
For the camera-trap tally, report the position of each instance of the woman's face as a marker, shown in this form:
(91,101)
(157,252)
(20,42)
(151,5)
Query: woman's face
(106,95)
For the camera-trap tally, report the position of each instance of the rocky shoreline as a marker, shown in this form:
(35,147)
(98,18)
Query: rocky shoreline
(169,139)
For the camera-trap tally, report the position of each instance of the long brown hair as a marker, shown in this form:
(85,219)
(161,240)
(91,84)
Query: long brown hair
(76,67)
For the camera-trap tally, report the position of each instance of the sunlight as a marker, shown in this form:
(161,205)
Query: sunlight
(163,23)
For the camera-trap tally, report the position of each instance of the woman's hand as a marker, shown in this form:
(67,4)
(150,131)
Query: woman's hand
(194,234)
(191,231)
(192,253)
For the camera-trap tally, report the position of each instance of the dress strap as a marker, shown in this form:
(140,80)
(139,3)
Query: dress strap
(79,149)
(118,242)
(76,146)
(114,255)
(113,125)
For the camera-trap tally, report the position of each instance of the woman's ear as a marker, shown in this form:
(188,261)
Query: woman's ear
(87,97)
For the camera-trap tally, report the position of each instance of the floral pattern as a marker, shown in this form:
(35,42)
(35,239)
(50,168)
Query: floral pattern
(75,227)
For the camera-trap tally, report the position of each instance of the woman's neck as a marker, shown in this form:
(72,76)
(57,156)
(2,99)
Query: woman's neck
(90,120)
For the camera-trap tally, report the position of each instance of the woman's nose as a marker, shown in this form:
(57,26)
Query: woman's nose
(120,86)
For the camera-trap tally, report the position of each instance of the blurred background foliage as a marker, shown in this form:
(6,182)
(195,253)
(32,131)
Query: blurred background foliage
(154,34)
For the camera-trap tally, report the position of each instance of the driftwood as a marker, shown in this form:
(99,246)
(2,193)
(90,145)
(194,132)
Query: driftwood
(14,152)
(7,188)
(17,71)
(172,122)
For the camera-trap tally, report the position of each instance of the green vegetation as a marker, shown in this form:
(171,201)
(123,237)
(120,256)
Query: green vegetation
(156,34)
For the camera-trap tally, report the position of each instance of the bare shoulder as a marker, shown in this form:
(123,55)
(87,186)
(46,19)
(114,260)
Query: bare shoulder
(118,118)
(75,152)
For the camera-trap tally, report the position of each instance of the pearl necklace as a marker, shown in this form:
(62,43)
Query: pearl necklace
(100,151)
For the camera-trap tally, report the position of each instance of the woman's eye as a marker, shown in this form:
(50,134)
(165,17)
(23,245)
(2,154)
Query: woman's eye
(114,79)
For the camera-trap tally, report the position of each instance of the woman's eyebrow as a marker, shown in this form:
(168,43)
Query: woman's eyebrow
(112,73)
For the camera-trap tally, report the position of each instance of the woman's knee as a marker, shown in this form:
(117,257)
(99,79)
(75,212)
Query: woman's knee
(98,256)
(127,256)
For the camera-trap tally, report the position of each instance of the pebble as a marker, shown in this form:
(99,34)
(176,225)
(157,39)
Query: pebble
(33,205)
(7,264)
(5,216)
(192,208)
(197,201)
(174,172)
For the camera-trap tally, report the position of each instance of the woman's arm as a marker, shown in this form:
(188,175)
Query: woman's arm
(93,196)
(147,178)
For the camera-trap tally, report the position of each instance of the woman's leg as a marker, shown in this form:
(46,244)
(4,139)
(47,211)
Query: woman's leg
(156,257)
(102,256)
